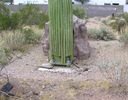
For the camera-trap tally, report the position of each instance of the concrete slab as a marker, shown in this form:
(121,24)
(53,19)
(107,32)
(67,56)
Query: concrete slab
(58,70)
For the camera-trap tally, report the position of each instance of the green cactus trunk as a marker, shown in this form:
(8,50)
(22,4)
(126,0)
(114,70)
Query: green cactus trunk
(61,31)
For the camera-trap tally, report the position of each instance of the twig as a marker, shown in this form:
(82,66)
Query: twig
(4,93)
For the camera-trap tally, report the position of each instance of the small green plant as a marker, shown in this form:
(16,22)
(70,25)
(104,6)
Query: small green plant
(30,14)
(30,36)
(80,12)
(125,16)
(43,19)
(101,34)
(15,20)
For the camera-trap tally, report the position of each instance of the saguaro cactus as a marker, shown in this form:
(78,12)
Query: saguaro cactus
(61,31)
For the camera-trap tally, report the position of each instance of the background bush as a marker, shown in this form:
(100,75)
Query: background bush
(32,15)
(80,12)
(125,16)
(29,15)
(43,17)
(15,20)
(101,34)
(4,17)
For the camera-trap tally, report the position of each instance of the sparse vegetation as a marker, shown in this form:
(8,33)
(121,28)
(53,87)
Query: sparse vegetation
(116,23)
(80,12)
(14,34)
(20,30)
(15,40)
(101,34)
(116,72)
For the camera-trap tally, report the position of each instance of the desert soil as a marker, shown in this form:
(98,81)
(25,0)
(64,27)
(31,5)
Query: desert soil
(78,85)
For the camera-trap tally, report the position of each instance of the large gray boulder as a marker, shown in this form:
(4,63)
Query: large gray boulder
(81,44)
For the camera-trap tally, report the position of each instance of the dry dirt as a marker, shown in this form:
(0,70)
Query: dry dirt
(80,85)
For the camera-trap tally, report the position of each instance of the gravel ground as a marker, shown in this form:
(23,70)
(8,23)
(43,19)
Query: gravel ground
(80,85)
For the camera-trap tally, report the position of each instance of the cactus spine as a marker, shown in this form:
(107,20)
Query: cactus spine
(61,31)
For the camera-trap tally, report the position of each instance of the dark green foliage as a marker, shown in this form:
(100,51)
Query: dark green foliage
(29,35)
(101,34)
(125,16)
(30,14)
(4,17)
(15,20)
(43,19)
(4,22)
(79,12)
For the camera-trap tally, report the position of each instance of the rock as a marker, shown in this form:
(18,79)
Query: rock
(82,48)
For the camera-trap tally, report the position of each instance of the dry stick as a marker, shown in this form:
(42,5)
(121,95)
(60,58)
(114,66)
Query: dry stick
(4,93)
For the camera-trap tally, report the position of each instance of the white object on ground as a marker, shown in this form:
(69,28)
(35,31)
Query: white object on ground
(46,68)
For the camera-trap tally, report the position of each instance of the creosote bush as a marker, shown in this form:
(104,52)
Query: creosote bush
(80,12)
(32,15)
(29,15)
(101,34)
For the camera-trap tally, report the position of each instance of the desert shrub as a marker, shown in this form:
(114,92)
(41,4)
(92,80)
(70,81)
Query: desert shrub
(125,16)
(14,41)
(4,22)
(79,12)
(30,36)
(116,71)
(43,17)
(4,17)
(3,9)
(8,20)
(124,38)
(15,20)
(101,34)
(30,14)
